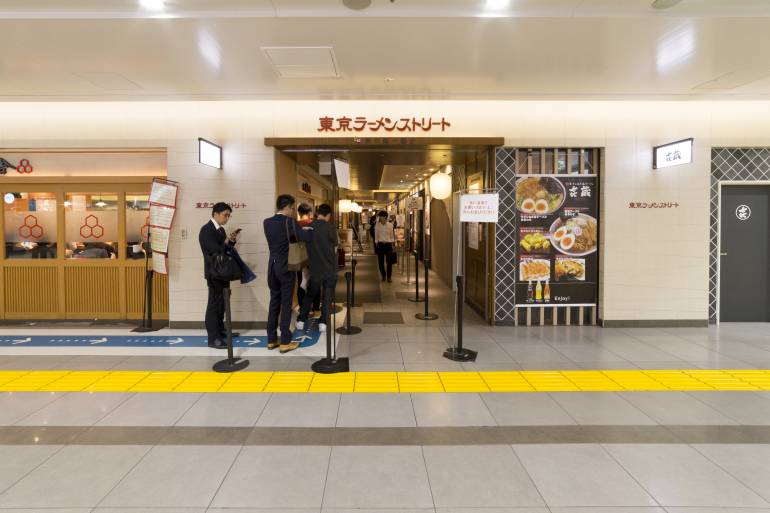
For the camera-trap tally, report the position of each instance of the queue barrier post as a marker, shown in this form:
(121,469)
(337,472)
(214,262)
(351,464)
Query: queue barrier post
(426,315)
(416,298)
(231,364)
(351,298)
(458,353)
(330,364)
(147,325)
(348,329)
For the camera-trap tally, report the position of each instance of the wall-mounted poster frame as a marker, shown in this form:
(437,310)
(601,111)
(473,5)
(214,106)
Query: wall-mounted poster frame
(563,169)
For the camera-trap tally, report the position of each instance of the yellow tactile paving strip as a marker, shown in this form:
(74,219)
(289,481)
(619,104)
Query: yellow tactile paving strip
(388,382)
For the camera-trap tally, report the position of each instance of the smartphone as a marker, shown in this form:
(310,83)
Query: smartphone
(238,231)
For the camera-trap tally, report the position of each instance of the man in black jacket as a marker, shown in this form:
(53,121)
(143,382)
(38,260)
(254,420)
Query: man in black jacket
(213,240)
(280,230)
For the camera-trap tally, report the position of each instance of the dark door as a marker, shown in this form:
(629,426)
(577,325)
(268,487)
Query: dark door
(744,289)
(476,242)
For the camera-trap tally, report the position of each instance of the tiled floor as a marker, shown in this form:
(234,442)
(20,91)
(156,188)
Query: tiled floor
(646,451)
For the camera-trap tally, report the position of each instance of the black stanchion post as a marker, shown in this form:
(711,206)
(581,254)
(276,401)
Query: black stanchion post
(352,297)
(426,316)
(232,364)
(348,329)
(331,364)
(147,308)
(416,298)
(459,353)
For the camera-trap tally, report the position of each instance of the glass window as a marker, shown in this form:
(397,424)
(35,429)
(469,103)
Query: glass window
(137,224)
(91,222)
(30,224)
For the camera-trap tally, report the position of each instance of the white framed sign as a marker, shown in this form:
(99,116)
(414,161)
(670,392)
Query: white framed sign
(479,208)
(414,203)
(672,154)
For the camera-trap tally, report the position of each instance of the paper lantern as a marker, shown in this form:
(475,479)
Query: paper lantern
(355,207)
(440,186)
(345,205)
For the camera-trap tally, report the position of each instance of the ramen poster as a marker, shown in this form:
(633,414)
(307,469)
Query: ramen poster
(557,240)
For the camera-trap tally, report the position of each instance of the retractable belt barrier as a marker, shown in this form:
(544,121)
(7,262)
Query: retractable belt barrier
(331,364)
(232,364)
(348,329)
(426,315)
(416,298)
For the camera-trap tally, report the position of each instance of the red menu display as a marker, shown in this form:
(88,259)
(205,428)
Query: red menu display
(557,240)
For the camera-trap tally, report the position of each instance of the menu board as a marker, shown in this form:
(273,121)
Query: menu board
(557,240)
(163,197)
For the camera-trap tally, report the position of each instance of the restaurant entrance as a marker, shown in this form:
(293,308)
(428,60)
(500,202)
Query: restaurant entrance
(75,234)
(384,173)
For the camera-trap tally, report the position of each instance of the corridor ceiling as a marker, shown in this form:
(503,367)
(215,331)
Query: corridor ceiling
(415,49)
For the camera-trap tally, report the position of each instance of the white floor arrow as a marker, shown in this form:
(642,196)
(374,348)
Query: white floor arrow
(253,342)
(175,341)
(99,341)
(22,341)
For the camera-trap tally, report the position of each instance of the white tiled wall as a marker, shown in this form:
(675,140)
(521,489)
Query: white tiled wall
(654,262)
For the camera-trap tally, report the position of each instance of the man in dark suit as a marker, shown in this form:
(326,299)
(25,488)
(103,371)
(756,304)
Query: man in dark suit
(280,230)
(213,240)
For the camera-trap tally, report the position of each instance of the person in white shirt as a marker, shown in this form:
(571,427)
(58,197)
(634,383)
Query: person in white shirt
(384,237)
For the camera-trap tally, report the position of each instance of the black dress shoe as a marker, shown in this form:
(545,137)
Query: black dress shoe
(218,344)
(235,334)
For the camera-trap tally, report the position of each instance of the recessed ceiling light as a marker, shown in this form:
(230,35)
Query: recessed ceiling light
(388,79)
(356,5)
(497,4)
(153,5)
(664,4)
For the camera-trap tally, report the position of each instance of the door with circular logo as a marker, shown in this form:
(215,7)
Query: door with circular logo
(744,272)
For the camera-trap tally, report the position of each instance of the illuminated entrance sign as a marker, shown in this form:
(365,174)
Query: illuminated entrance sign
(672,154)
(386,124)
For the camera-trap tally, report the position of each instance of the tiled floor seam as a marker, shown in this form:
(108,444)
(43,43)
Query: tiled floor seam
(54,453)
(723,469)
(512,447)
(630,475)
(224,478)
(128,473)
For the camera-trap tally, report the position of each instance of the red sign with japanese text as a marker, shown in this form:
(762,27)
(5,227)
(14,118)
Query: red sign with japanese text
(386,124)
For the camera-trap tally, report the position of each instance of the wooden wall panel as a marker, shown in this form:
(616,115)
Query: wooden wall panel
(92,292)
(30,292)
(135,294)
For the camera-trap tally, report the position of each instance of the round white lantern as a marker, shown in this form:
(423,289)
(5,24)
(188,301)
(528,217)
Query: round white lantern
(440,186)
(345,205)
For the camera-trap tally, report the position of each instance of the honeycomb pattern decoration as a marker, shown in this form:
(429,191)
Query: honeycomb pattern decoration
(24,167)
(91,228)
(30,229)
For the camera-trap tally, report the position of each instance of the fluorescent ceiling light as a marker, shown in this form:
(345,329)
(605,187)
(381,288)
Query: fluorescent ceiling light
(497,4)
(153,5)
(209,153)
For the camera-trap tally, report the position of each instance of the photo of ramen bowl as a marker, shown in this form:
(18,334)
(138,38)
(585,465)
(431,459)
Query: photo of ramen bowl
(539,195)
(575,236)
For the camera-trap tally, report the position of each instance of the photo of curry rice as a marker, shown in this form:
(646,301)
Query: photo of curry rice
(539,195)
(570,269)
(535,242)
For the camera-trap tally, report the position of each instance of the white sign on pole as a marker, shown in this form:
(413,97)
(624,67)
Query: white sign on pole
(479,208)
(414,203)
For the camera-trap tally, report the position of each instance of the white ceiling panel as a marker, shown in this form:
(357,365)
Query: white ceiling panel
(422,58)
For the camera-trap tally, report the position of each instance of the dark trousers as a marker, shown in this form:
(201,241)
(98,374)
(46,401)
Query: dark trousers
(215,309)
(281,294)
(314,294)
(302,292)
(383,248)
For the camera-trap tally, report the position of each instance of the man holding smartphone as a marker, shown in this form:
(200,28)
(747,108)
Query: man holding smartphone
(214,240)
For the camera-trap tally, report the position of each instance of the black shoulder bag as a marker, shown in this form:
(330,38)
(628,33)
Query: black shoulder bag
(224,267)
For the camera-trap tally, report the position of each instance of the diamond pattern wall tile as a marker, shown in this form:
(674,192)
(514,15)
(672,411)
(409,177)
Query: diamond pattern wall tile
(730,164)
